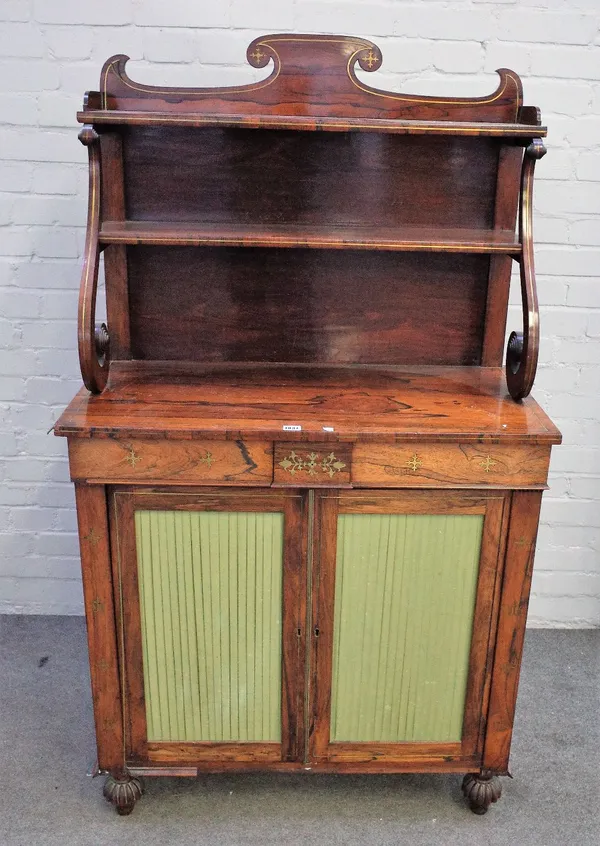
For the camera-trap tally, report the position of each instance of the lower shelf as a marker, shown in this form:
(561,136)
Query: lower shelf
(408,238)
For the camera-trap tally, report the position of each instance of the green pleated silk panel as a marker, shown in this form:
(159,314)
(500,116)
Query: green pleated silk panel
(404,600)
(211,605)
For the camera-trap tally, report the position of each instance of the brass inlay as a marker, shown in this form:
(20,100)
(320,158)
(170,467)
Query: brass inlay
(93,537)
(258,55)
(411,98)
(414,463)
(487,463)
(208,459)
(515,609)
(154,89)
(294,463)
(160,91)
(97,605)
(132,457)
(370,60)
(332,465)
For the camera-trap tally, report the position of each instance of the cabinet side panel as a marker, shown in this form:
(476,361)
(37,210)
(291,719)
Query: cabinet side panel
(516,585)
(211,609)
(94,542)
(404,602)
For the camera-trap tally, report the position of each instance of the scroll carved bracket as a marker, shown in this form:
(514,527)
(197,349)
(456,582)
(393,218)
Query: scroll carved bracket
(523,347)
(93,340)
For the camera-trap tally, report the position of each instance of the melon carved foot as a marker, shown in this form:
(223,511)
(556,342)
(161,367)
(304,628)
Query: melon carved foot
(123,791)
(480,790)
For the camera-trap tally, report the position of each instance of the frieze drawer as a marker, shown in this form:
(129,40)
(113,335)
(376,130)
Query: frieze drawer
(173,462)
(312,465)
(450,465)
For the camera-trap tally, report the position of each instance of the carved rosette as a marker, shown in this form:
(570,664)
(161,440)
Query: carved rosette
(481,790)
(123,791)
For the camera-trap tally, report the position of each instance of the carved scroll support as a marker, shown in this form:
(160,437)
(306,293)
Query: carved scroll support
(523,347)
(93,340)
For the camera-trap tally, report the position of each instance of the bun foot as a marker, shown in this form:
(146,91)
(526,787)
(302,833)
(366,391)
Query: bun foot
(480,790)
(123,791)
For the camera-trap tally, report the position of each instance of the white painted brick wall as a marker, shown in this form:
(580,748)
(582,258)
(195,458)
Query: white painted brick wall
(51,51)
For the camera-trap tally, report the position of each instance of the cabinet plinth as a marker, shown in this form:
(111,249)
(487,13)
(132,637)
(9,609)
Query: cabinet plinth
(307,491)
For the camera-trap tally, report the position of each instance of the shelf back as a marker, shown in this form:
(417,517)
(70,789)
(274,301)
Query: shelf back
(306,305)
(291,177)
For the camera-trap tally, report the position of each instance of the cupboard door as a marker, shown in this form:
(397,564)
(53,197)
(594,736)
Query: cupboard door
(213,618)
(404,601)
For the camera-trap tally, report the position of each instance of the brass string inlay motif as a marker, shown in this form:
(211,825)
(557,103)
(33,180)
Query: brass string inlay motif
(370,59)
(208,459)
(257,55)
(294,463)
(132,457)
(487,463)
(92,537)
(414,463)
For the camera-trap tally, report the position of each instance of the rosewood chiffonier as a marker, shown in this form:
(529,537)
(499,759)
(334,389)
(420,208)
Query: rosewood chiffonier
(307,488)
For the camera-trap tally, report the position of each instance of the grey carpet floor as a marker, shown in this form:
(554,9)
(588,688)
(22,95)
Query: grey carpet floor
(47,741)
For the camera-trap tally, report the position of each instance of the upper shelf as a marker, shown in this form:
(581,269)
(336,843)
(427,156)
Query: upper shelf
(393,127)
(408,238)
(312,85)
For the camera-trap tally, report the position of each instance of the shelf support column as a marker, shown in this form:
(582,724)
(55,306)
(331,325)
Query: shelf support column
(523,347)
(93,340)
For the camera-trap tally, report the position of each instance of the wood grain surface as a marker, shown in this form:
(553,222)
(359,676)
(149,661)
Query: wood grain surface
(145,460)
(291,62)
(516,586)
(306,305)
(389,405)
(405,239)
(461,465)
(94,544)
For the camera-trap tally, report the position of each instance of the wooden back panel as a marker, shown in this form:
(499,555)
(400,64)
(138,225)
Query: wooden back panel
(283,176)
(305,305)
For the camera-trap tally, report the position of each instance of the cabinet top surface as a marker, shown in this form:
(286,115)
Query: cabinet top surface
(348,403)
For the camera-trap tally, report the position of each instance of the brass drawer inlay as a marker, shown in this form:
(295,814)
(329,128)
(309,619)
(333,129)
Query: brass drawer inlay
(450,465)
(111,460)
(312,464)
(293,463)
